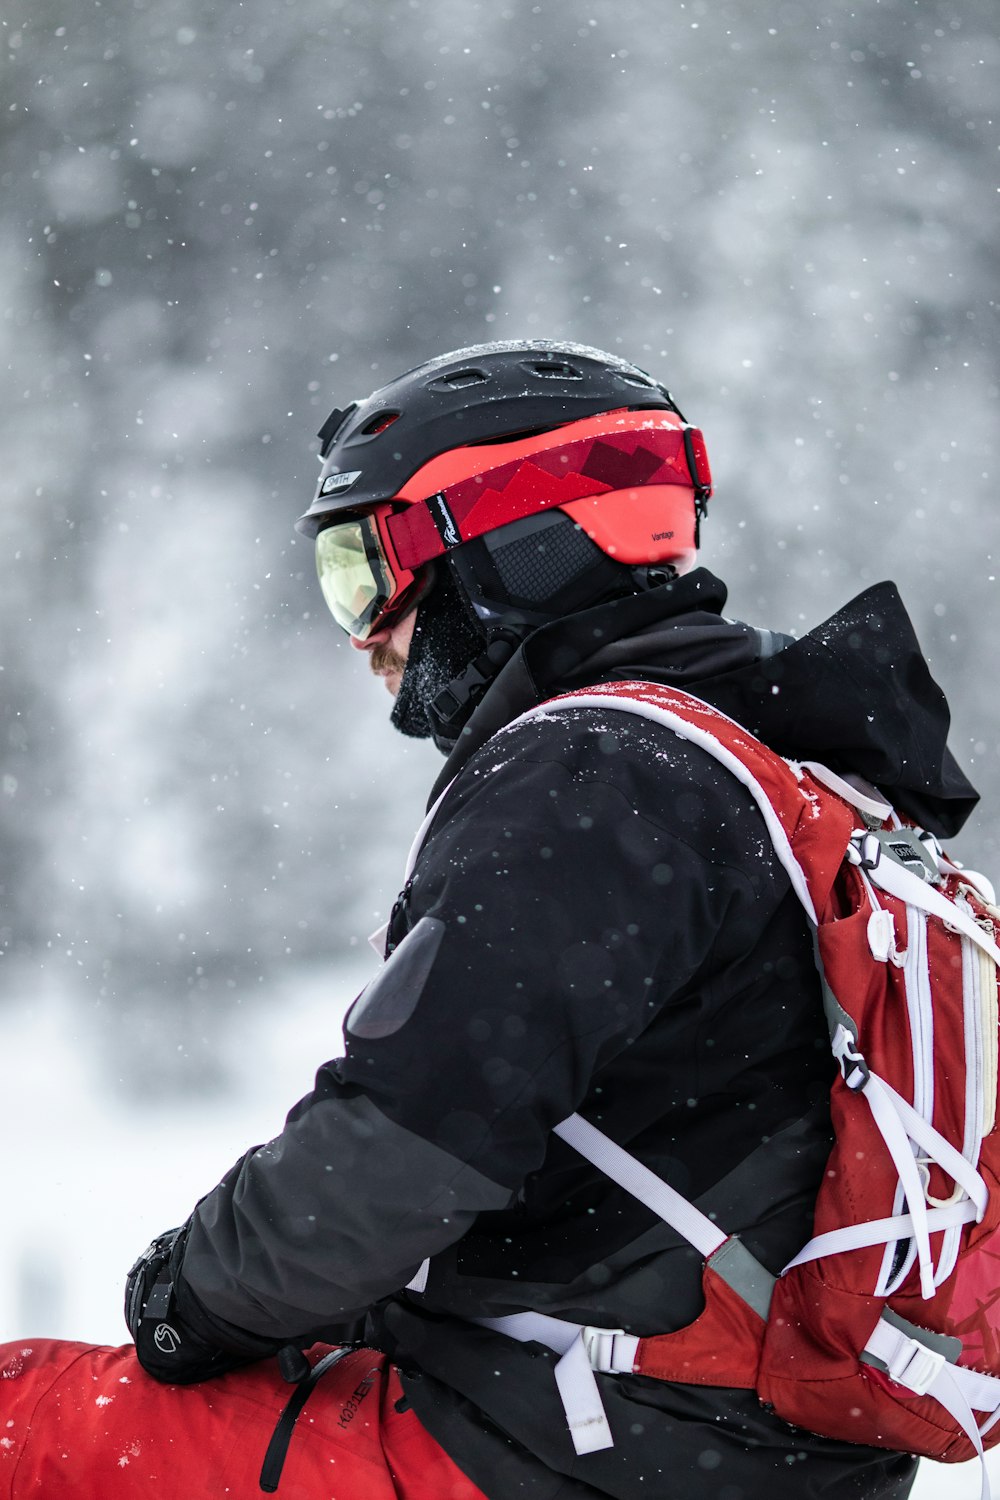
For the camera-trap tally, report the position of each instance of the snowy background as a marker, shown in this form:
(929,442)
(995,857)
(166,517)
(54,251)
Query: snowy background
(219,220)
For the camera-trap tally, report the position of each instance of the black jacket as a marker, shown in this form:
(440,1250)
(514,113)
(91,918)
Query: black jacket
(596,922)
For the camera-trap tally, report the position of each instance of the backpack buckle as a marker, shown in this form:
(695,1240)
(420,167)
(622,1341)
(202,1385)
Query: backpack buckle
(913,849)
(864,850)
(853,1068)
(916,1366)
(611,1351)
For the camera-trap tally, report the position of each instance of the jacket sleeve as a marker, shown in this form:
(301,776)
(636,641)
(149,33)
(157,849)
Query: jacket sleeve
(549,922)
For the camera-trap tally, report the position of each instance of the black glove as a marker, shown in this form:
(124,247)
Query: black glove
(176,1339)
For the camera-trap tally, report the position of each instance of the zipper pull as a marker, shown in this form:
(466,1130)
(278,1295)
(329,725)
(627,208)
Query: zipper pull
(397,917)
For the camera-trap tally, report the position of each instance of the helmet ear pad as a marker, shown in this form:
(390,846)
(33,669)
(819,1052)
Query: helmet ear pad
(534,570)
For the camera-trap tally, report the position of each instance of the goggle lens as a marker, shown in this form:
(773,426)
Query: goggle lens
(354,575)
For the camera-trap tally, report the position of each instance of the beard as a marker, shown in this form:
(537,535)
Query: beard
(385,659)
(446,638)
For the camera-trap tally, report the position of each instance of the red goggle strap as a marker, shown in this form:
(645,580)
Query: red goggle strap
(555,476)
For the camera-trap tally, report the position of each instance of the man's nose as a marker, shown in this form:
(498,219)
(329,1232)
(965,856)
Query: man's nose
(377,638)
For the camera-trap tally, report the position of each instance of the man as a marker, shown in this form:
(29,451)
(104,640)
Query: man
(594,923)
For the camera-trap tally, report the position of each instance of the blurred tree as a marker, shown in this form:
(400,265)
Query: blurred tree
(216,222)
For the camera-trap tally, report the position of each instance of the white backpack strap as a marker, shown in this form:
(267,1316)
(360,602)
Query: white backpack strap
(880,1232)
(611,1350)
(936,1148)
(899,1124)
(418,1283)
(867,801)
(377,938)
(582,1351)
(927,1372)
(422,832)
(664,1201)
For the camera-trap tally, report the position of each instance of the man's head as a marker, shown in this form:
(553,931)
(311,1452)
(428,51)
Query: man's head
(497,488)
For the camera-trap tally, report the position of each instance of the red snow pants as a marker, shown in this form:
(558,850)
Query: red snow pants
(78,1422)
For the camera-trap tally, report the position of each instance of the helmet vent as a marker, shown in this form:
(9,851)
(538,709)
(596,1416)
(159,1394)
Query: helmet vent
(553,369)
(333,424)
(380,423)
(636,378)
(459,378)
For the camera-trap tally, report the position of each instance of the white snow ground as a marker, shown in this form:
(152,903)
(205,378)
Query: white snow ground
(88,1181)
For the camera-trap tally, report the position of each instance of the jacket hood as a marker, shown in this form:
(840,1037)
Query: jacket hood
(854,693)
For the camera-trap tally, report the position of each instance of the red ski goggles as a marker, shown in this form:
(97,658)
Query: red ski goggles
(363,583)
(372,564)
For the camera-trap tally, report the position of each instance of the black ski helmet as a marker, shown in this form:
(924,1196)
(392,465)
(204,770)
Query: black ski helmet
(482,394)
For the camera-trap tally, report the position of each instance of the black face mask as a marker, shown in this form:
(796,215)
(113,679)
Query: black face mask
(446,638)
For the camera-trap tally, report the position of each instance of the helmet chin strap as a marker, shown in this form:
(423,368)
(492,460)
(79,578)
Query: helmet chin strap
(446,637)
(452,706)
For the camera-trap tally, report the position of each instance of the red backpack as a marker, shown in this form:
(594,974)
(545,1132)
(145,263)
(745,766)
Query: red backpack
(885,1329)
